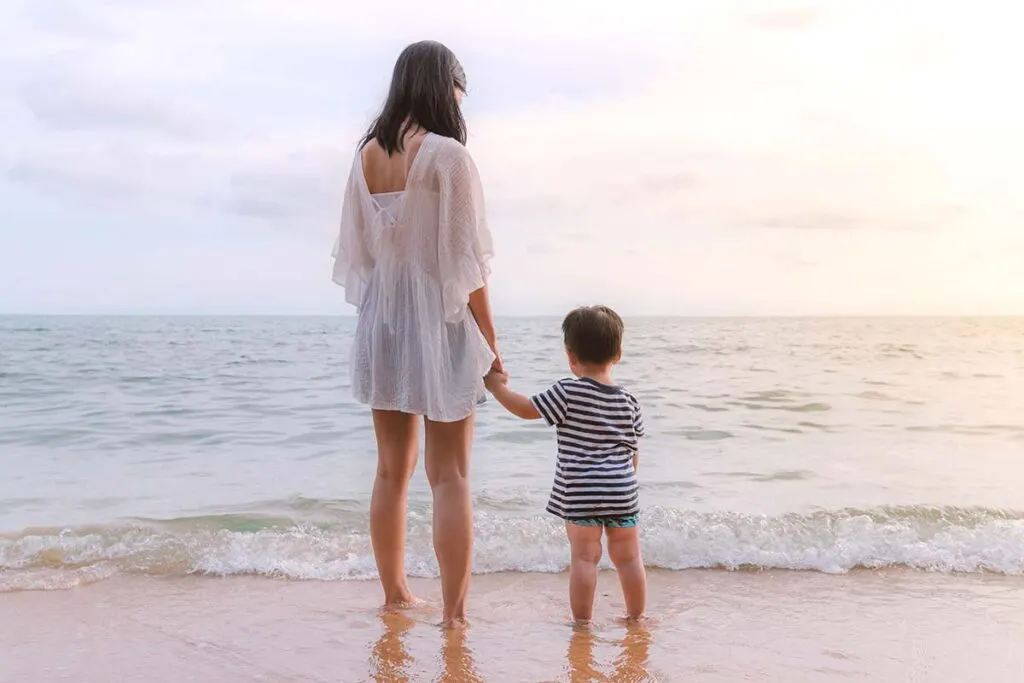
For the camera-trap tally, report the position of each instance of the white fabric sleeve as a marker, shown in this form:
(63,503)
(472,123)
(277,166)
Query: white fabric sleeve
(464,247)
(352,261)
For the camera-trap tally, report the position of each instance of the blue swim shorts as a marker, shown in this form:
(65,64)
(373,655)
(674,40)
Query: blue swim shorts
(617,522)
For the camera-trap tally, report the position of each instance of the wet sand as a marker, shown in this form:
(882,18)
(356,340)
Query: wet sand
(706,626)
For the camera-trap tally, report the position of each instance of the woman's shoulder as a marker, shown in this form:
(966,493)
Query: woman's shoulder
(448,145)
(449,153)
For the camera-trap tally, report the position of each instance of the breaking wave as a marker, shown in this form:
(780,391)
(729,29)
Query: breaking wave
(944,539)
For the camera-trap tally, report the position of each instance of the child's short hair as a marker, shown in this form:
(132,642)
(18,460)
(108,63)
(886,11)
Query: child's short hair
(593,334)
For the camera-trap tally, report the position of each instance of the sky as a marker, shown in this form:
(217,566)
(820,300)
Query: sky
(707,157)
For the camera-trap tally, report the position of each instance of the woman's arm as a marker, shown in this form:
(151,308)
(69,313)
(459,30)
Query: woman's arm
(480,307)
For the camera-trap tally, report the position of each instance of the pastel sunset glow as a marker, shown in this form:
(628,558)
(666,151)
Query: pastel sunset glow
(708,158)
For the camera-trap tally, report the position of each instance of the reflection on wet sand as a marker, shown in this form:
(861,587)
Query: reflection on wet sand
(629,667)
(631,664)
(390,661)
(457,659)
(582,668)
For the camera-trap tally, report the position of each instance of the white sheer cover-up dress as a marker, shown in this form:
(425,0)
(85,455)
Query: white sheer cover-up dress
(408,261)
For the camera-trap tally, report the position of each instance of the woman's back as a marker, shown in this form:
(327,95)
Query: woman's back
(435,226)
(398,197)
(385,174)
(413,246)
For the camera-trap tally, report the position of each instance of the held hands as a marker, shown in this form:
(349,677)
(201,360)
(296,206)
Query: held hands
(498,365)
(495,380)
(497,377)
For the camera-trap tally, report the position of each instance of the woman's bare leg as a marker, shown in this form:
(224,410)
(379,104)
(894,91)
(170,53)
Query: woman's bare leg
(585,546)
(624,551)
(397,448)
(447,455)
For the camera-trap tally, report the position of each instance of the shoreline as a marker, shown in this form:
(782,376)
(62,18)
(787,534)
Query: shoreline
(708,625)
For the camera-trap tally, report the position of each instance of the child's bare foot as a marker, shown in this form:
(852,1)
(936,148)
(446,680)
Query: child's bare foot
(639,620)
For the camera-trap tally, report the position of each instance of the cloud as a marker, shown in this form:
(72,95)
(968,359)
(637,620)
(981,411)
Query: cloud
(542,249)
(126,171)
(813,221)
(538,72)
(647,186)
(931,218)
(915,219)
(304,185)
(69,18)
(789,259)
(54,179)
(795,19)
(525,209)
(157,99)
(72,103)
(286,182)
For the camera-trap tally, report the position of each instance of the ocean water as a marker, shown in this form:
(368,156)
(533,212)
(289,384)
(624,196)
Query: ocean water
(223,446)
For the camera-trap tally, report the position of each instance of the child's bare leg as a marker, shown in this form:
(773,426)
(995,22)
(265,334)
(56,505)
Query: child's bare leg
(585,542)
(624,551)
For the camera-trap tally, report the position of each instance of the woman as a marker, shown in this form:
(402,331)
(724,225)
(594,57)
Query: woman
(413,256)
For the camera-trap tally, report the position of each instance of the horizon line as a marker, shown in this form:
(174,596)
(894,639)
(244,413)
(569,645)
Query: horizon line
(691,316)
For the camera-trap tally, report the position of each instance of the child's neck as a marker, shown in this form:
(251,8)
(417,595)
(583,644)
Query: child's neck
(601,374)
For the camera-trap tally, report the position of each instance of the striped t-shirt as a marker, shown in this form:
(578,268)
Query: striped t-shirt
(598,427)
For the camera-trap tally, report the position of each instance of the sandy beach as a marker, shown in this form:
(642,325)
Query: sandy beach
(706,625)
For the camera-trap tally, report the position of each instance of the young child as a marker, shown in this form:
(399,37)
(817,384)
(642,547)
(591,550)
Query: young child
(598,425)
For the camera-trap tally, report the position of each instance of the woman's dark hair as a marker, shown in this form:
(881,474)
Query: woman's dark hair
(422,93)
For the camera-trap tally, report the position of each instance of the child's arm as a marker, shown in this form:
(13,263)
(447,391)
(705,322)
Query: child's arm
(513,402)
(639,430)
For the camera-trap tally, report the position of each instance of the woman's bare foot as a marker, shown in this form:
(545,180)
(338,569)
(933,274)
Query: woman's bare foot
(409,602)
(454,623)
